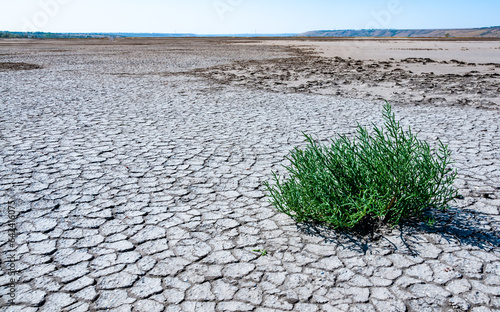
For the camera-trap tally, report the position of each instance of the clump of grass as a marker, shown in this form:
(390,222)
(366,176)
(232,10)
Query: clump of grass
(383,177)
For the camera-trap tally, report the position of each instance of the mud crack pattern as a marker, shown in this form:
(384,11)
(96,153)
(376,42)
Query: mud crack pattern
(143,192)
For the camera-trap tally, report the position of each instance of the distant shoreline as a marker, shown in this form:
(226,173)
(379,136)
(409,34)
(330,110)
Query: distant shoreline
(484,32)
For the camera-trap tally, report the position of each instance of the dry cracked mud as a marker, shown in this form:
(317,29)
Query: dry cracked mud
(138,188)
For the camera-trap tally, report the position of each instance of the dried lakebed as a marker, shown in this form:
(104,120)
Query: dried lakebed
(411,80)
(140,190)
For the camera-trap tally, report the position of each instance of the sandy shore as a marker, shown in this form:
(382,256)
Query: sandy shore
(134,170)
(477,51)
(404,71)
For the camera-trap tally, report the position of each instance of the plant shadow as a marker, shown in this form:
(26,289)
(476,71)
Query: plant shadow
(453,226)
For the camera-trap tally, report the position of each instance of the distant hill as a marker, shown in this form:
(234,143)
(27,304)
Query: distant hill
(486,32)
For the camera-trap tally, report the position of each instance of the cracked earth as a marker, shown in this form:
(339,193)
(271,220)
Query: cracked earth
(137,186)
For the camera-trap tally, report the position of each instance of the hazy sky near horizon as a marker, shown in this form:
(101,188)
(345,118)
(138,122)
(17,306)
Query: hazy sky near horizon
(242,16)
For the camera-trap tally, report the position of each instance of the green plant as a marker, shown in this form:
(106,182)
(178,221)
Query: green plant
(379,178)
(262,252)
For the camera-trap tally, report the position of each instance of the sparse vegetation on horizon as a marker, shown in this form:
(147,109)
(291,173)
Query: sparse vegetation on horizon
(6,34)
(46,35)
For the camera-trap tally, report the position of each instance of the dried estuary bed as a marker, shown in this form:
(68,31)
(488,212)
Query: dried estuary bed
(139,189)
(410,80)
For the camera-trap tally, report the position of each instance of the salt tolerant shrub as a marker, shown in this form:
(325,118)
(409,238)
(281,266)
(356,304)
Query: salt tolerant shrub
(383,177)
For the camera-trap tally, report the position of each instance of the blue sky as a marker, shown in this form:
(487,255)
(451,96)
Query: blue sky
(242,16)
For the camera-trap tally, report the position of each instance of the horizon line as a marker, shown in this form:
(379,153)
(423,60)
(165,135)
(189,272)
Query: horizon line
(232,34)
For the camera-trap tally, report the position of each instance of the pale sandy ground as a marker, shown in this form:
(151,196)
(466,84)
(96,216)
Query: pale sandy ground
(134,170)
(478,52)
(410,71)
(383,50)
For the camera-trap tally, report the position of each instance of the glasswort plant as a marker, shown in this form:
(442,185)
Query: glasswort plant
(379,178)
